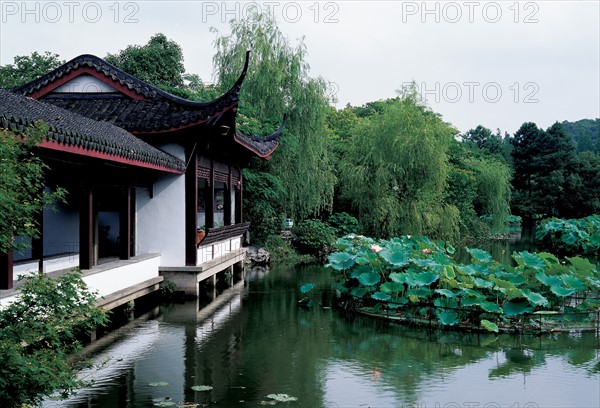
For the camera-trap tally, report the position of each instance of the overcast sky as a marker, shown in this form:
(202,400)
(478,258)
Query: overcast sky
(498,64)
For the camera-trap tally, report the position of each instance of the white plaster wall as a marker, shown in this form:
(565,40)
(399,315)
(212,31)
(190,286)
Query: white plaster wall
(114,280)
(66,261)
(85,84)
(218,249)
(122,277)
(160,223)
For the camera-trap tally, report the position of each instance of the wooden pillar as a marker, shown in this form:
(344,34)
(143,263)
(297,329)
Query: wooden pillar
(132,217)
(239,218)
(86,230)
(210,198)
(191,209)
(37,244)
(227,201)
(125,225)
(6,270)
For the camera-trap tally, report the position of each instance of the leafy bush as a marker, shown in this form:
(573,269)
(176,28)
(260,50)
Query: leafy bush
(281,251)
(38,334)
(314,236)
(343,223)
(575,236)
(417,278)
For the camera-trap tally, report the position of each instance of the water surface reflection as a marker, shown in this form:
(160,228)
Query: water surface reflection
(254,341)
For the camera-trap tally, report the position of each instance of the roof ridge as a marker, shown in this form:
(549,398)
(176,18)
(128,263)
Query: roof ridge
(125,79)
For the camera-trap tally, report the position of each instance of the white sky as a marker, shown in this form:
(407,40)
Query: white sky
(498,64)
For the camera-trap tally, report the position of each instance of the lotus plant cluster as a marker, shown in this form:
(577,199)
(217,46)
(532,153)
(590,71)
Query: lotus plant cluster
(416,280)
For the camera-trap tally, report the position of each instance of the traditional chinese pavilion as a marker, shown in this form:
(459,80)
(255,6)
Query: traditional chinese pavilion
(155,181)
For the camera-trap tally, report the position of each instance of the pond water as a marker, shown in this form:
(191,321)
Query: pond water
(253,340)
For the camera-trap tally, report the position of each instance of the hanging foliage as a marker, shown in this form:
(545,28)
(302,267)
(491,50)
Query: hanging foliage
(278,82)
(395,170)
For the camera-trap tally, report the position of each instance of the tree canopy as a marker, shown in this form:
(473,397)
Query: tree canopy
(26,68)
(279,82)
(159,62)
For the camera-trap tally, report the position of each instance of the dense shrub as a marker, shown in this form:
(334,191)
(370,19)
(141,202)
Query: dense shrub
(282,251)
(314,236)
(343,223)
(38,335)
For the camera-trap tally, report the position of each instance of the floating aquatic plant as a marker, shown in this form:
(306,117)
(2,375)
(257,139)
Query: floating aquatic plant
(201,388)
(417,278)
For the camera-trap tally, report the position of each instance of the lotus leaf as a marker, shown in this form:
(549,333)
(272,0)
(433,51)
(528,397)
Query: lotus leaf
(201,388)
(516,279)
(482,283)
(548,280)
(359,270)
(535,298)
(158,384)
(391,287)
(489,326)
(573,282)
(446,292)
(358,292)
(380,296)
(307,287)
(447,317)
(528,259)
(449,272)
(471,301)
(549,258)
(425,278)
(369,279)
(517,307)
(282,397)
(490,307)
(479,255)
(397,258)
(562,291)
(472,293)
(341,260)
(398,277)
(594,282)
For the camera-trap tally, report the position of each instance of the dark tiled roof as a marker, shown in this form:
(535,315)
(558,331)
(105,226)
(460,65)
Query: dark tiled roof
(262,146)
(70,129)
(156,110)
(136,115)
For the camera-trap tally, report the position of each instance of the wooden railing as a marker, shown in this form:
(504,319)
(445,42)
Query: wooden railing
(222,233)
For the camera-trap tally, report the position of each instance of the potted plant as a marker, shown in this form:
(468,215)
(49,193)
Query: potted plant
(200,233)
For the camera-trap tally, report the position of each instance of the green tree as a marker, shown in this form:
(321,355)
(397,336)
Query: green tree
(543,162)
(484,139)
(582,186)
(585,133)
(278,82)
(39,334)
(395,169)
(159,62)
(27,68)
(478,184)
(22,195)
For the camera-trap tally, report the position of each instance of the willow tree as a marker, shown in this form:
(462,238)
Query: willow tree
(278,82)
(395,171)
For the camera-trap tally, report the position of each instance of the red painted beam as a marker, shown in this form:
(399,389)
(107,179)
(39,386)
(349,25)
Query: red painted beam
(54,145)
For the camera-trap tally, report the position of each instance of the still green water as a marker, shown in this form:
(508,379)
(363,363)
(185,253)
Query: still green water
(253,340)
